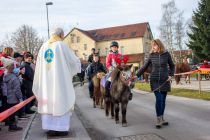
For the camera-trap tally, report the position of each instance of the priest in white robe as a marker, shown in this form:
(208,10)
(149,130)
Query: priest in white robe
(56,65)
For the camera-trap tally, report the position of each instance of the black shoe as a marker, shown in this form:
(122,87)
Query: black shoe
(52,133)
(130,96)
(62,133)
(13,128)
(30,112)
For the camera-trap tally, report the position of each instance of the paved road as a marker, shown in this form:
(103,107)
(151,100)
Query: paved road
(189,119)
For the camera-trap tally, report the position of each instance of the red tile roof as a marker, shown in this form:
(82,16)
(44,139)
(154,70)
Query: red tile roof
(118,32)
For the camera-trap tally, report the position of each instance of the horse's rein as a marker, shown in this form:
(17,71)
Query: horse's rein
(161,86)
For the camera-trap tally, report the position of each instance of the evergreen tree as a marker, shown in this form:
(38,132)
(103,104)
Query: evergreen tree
(199,35)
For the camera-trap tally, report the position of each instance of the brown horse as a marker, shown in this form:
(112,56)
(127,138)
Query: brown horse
(186,68)
(120,91)
(97,94)
(178,70)
(181,68)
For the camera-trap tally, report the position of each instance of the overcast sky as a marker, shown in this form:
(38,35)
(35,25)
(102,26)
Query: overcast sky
(84,14)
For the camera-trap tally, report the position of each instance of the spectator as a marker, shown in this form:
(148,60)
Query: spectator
(6,53)
(28,77)
(90,57)
(11,89)
(205,64)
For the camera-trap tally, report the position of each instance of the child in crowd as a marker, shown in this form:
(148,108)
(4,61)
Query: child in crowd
(95,67)
(11,89)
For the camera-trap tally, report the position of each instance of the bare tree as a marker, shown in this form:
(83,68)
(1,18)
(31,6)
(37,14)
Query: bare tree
(6,43)
(167,24)
(179,32)
(25,38)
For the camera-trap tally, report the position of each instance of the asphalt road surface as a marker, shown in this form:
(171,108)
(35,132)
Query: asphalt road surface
(189,119)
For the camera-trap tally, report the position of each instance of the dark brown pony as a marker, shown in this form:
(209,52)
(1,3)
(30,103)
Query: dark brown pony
(177,71)
(120,91)
(98,96)
(181,68)
(186,68)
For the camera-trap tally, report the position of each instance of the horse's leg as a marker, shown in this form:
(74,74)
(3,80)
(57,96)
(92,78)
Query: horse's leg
(117,109)
(112,108)
(94,102)
(94,98)
(107,106)
(185,78)
(101,102)
(124,109)
(189,78)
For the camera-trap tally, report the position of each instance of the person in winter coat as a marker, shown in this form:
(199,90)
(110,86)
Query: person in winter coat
(95,67)
(11,89)
(27,81)
(161,74)
(7,52)
(90,57)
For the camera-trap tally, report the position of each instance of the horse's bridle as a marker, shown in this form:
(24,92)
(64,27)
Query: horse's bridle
(125,77)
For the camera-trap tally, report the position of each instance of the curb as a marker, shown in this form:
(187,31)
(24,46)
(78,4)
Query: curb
(25,133)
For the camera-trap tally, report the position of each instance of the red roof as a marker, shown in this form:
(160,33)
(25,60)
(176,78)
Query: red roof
(118,32)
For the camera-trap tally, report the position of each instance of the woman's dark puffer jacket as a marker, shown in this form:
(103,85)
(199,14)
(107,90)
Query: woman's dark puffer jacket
(162,67)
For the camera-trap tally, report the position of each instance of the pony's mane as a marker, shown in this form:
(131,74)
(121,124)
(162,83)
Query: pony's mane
(115,74)
(95,80)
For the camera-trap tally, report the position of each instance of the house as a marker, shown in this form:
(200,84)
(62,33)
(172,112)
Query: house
(134,41)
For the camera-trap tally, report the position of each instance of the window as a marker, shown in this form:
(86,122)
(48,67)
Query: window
(72,39)
(133,34)
(76,51)
(122,35)
(85,46)
(78,39)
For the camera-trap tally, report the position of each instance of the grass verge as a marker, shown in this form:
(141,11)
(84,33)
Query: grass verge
(194,94)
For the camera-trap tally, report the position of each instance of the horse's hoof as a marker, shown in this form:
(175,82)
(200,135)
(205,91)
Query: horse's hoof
(112,117)
(124,125)
(117,122)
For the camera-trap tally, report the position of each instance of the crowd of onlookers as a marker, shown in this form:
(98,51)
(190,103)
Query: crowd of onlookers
(16,80)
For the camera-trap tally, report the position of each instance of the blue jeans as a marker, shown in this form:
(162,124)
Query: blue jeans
(160,102)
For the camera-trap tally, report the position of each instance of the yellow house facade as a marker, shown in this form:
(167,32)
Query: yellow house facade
(134,41)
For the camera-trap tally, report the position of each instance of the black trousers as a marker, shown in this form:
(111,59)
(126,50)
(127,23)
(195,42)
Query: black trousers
(107,88)
(11,119)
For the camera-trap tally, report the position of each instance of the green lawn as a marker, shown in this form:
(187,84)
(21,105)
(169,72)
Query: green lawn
(178,92)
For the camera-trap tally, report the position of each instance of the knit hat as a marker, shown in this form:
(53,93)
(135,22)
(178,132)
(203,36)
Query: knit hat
(7,62)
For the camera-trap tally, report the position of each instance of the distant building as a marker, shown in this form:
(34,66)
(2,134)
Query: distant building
(134,41)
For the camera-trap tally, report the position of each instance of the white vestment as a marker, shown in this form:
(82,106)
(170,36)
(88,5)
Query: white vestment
(56,65)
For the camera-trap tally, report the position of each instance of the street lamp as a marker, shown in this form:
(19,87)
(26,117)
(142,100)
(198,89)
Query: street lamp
(48,3)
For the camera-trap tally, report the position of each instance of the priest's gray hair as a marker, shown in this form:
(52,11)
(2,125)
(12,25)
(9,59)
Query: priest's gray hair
(57,31)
